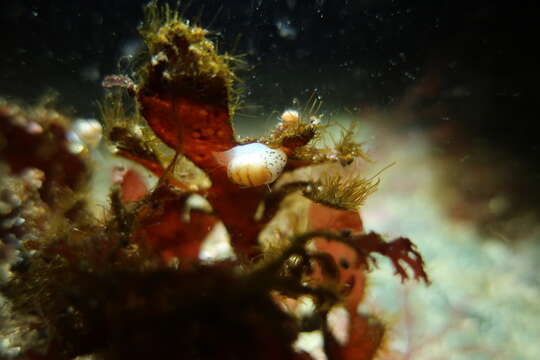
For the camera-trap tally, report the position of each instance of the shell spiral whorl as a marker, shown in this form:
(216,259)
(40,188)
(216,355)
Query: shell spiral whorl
(255,164)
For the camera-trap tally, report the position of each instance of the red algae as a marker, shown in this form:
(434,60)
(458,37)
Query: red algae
(165,220)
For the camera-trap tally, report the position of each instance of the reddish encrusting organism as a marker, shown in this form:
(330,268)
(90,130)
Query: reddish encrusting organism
(38,139)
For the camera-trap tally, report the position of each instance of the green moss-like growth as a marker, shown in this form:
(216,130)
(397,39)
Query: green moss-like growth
(184,60)
(341,192)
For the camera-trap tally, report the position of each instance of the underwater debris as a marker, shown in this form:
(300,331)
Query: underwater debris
(131,285)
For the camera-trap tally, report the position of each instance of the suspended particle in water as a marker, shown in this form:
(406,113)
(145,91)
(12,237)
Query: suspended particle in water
(286,29)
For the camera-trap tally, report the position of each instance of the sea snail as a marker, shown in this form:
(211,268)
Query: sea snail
(290,118)
(253,164)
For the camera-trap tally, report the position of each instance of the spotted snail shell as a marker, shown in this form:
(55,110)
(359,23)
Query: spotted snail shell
(254,164)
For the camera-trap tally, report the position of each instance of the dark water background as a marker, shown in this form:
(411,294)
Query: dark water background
(353,52)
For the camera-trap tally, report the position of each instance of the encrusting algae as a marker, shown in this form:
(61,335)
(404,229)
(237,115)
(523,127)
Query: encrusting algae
(131,285)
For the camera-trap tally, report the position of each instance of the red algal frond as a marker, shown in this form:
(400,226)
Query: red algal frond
(322,217)
(398,250)
(168,226)
(403,249)
(186,91)
(195,129)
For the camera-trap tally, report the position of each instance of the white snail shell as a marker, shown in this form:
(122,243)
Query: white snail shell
(290,118)
(254,164)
